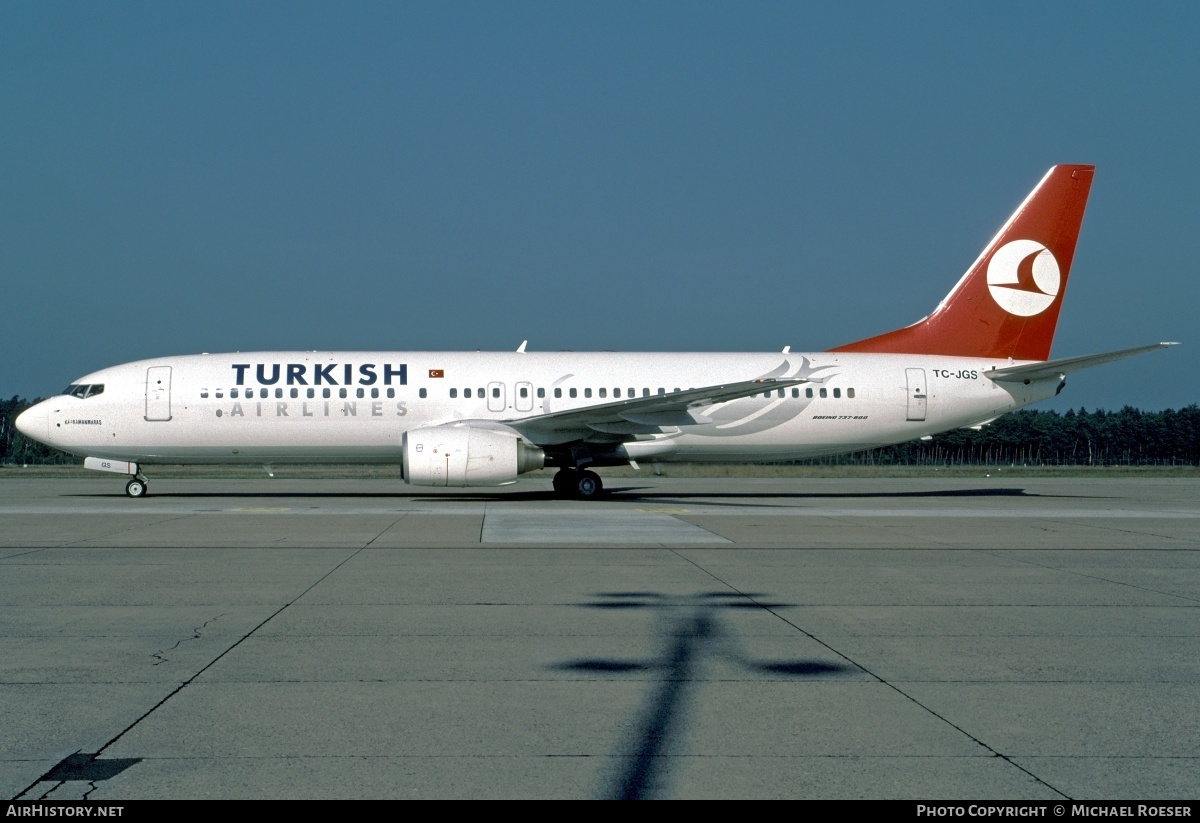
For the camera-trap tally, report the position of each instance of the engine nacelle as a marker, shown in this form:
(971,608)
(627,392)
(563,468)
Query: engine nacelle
(464,455)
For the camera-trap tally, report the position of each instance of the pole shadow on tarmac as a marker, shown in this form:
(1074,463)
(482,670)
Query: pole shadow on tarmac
(695,637)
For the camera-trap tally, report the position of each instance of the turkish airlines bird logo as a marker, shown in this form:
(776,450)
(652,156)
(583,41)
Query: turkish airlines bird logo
(1023,277)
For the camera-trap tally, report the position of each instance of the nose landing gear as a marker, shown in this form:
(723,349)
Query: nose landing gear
(136,487)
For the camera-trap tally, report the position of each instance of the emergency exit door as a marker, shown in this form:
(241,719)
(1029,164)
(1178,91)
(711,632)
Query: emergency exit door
(495,399)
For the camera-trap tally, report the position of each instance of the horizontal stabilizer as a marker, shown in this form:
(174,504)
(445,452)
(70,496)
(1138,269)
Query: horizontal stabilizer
(1057,369)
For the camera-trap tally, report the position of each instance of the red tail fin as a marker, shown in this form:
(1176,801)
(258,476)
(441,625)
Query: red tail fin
(1007,303)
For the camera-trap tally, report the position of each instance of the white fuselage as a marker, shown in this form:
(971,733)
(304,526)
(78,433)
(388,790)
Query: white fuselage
(356,406)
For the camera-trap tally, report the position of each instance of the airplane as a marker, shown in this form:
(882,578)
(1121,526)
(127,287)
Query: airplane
(462,419)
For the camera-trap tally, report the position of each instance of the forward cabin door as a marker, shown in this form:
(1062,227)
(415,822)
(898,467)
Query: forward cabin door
(918,396)
(158,393)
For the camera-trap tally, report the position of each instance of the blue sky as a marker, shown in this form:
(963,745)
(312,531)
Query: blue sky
(185,177)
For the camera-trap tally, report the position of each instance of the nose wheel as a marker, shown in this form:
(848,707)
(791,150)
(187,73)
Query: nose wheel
(136,487)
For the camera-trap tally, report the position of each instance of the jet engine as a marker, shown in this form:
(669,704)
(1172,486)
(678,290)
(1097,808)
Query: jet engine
(466,455)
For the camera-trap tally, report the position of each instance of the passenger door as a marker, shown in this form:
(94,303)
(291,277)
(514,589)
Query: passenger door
(158,393)
(918,394)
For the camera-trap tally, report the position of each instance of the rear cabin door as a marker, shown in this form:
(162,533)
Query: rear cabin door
(918,395)
(158,393)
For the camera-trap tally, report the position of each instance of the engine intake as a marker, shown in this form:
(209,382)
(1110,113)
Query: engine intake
(463,455)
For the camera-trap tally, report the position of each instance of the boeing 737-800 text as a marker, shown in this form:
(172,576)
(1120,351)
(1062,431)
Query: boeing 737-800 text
(484,418)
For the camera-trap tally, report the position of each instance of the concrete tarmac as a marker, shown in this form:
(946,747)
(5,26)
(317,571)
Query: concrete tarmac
(681,638)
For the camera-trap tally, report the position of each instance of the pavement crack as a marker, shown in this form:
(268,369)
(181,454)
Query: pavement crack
(93,537)
(161,655)
(387,529)
(1138,532)
(1093,577)
(31,551)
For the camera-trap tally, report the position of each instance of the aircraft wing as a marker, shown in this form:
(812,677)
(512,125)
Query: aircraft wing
(1059,369)
(639,415)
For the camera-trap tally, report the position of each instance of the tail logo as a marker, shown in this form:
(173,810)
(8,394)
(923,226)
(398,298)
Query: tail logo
(1023,277)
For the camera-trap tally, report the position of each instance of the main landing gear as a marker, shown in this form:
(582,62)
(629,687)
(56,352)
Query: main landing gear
(136,487)
(580,484)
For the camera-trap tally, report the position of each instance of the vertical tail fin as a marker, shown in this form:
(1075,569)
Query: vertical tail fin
(1007,303)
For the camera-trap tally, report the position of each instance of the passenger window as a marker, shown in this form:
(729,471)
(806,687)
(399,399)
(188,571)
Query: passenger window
(311,393)
(480,394)
(361,393)
(541,393)
(662,390)
(604,392)
(645,392)
(342,393)
(850,393)
(779,393)
(374,393)
(632,393)
(467,393)
(453,393)
(495,392)
(233,392)
(325,393)
(558,392)
(278,393)
(423,394)
(616,392)
(295,393)
(837,392)
(204,393)
(587,392)
(824,393)
(795,393)
(808,393)
(574,392)
(524,392)
(220,394)
(391,393)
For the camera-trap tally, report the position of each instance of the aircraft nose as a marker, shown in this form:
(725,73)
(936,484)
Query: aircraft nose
(34,422)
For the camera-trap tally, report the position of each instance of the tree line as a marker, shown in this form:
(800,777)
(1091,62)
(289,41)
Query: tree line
(16,447)
(1129,437)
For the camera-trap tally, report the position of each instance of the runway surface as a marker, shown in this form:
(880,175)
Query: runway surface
(962,638)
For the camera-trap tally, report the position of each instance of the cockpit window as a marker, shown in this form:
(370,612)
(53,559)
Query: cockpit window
(84,390)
